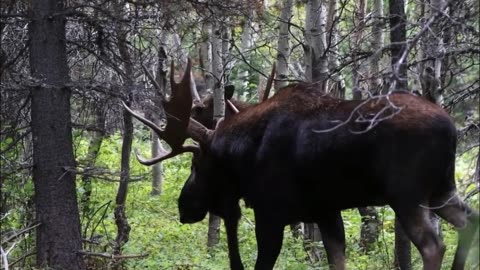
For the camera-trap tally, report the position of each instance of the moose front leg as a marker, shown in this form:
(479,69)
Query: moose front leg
(231,226)
(333,235)
(269,235)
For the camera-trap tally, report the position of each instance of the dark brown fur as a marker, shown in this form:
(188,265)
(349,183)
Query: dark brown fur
(277,157)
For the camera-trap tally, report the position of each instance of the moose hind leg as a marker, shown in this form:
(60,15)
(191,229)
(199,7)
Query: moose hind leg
(459,214)
(333,235)
(416,223)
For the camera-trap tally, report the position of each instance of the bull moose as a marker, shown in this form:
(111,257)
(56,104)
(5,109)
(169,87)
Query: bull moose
(301,156)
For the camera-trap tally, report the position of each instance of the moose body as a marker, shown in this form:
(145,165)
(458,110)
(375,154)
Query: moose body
(304,156)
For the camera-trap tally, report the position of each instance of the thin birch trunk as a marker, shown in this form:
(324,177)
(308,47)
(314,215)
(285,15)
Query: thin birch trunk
(96,139)
(357,72)
(206,56)
(315,57)
(218,113)
(246,44)
(161,78)
(337,88)
(398,37)
(316,69)
(123,228)
(377,45)
(283,46)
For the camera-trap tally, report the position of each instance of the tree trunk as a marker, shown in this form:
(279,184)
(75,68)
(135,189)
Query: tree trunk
(377,45)
(357,89)
(370,228)
(96,139)
(337,88)
(59,235)
(316,67)
(123,228)
(398,38)
(218,113)
(157,177)
(283,46)
(246,44)
(161,78)
(433,47)
(206,56)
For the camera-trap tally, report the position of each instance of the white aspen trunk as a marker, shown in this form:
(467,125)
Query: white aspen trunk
(226,56)
(315,37)
(437,5)
(430,72)
(156,148)
(283,46)
(432,75)
(337,88)
(217,70)
(308,41)
(377,44)
(357,38)
(316,69)
(206,56)
(218,113)
(246,44)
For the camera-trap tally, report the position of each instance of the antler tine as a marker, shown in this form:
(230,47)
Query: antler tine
(269,83)
(177,108)
(176,148)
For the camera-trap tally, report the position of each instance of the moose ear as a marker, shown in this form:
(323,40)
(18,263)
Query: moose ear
(229,89)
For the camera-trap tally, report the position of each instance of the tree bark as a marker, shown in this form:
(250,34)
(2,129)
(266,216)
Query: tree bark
(59,235)
(370,228)
(356,47)
(283,45)
(337,88)
(161,78)
(246,44)
(398,38)
(218,113)
(316,68)
(96,139)
(206,56)
(123,228)
(377,45)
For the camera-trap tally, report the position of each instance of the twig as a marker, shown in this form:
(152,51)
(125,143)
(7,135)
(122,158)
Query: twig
(19,233)
(22,258)
(4,258)
(112,256)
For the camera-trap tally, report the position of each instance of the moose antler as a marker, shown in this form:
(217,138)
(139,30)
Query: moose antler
(179,124)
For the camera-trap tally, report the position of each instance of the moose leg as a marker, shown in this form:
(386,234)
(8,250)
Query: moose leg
(465,220)
(333,236)
(231,225)
(416,224)
(269,235)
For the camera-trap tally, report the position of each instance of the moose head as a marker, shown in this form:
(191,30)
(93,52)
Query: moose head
(194,199)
